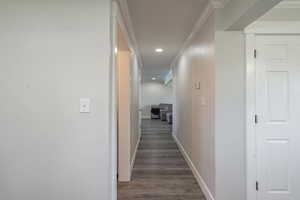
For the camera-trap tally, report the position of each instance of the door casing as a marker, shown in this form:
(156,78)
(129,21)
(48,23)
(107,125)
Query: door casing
(117,19)
(269,28)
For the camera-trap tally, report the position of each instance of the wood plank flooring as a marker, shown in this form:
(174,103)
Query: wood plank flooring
(160,171)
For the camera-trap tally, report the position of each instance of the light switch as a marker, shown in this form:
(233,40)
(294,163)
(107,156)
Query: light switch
(85,105)
(197,85)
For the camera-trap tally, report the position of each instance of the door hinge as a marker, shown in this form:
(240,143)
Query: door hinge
(255,119)
(255,53)
(256,186)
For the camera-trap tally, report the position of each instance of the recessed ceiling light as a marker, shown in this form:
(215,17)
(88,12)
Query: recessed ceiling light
(159,50)
(153,78)
(116,50)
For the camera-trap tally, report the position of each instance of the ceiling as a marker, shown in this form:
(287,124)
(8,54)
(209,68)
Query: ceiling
(287,10)
(162,24)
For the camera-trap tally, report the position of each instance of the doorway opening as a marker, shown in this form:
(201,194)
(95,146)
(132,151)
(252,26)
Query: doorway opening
(123,70)
(126,98)
(273,108)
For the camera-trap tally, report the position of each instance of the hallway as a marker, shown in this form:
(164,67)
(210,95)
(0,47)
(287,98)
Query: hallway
(160,171)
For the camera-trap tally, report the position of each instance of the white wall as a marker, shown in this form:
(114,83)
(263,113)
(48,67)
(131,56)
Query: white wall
(124,116)
(195,107)
(230,116)
(52,53)
(210,121)
(135,103)
(154,93)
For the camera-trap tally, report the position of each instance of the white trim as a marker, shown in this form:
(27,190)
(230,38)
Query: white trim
(251,169)
(140,102)
(121,22)
(174,123)
(113,113)
(134,154)
(127,23)
(116,19)
(208,10)
(273,27)
(198,177)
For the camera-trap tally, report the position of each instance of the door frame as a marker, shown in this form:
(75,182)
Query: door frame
(251,162)
(117,20)
(251,32)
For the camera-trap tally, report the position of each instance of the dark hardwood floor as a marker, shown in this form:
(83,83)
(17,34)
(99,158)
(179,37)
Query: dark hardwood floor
(160,171)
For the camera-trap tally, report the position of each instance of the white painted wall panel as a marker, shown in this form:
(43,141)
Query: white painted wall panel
(230,116)
(53,53)
(195,107)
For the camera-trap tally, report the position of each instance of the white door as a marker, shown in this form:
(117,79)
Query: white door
(278,111)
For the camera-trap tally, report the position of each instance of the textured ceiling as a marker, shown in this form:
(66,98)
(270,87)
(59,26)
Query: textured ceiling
(162,24)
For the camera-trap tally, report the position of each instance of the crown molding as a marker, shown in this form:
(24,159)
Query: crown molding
(125,18)
(218,3)
(208,10)
(288,4)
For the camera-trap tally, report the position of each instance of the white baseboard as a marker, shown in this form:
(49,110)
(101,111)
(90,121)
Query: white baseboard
(198,177)
(134,154)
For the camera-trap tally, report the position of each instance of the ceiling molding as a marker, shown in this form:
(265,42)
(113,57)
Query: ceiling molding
(288,4)
(125,15)
(218,3)
(210,7)
(198,25)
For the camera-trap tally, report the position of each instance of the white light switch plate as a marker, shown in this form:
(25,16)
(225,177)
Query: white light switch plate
(85,105)
(197,85)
